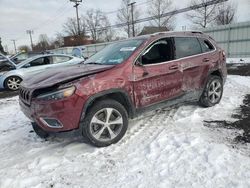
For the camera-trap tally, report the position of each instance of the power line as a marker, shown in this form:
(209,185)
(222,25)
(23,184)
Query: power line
(61,10)
(194,7)
(58,13)
(136,5)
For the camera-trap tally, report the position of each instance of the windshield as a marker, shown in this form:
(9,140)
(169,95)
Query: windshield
(115,53)
(27,61)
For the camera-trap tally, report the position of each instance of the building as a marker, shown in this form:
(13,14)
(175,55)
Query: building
(77,40)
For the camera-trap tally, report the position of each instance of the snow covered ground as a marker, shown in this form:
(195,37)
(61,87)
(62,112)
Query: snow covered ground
(170,148)
(238,60)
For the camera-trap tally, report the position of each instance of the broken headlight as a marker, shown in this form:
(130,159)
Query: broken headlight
(58,94)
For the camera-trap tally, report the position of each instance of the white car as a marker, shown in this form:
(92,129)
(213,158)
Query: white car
(11,74)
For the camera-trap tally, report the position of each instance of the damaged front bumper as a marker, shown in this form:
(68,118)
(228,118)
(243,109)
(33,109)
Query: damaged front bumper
(55,116)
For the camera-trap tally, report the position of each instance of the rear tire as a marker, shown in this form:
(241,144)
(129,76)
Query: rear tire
(105,123)
(212,92)
(39,131)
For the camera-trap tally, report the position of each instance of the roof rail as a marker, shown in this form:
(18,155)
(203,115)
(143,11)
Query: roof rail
(162,32)
(188,31)
(195,31)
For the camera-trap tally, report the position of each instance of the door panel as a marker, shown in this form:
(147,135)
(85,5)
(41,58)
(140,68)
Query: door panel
(162,82)
(193,62)
(157,77)
(193,71)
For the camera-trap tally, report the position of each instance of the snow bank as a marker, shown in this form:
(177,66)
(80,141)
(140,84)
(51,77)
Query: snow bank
(170,148)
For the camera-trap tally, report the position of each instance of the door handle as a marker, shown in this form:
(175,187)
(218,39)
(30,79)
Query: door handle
(173,67)
(206,60)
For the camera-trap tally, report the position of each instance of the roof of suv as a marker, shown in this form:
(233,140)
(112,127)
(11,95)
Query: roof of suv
(171,33)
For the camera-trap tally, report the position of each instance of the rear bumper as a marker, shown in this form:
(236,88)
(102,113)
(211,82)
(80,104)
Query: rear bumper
(55,116)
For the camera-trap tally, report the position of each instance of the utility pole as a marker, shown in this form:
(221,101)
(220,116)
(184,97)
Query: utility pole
(30,32)
(14,42)
(77,3)
(132,15)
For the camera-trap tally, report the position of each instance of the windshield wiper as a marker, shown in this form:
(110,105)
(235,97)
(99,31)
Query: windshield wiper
(94,63)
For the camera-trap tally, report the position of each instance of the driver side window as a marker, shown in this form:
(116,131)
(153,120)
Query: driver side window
(159,52)
(40,61)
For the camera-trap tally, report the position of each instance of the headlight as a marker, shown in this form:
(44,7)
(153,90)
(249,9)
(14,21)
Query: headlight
(59,94)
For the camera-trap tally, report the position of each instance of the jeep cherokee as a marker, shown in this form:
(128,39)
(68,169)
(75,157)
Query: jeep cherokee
(123,80)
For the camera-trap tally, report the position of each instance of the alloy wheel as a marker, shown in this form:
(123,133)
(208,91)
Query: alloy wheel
(215,91)
(106,124)
(13,83)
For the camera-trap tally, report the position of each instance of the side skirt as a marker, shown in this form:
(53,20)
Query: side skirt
(189,97)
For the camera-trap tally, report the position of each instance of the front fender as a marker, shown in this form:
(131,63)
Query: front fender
(128,100)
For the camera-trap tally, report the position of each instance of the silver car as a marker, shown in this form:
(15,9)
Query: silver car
(11,74)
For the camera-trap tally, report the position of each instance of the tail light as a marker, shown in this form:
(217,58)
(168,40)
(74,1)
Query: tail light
(223,55)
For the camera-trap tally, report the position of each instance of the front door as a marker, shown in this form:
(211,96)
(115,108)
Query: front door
(157,77)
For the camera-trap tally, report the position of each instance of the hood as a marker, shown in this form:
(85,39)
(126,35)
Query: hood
(53,76)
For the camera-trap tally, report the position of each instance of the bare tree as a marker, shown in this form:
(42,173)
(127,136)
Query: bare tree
(157,8)
(1,47)
(98,25)
(107,34)
(43,43)
(225,14)
(58,41)
(71,28)
(124,16)
(203,16)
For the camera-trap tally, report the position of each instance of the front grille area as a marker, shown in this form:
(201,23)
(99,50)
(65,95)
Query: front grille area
(25,95)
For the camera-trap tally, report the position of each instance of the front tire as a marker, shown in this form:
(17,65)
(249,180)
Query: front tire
(105,123)
(13,83)
(212,92)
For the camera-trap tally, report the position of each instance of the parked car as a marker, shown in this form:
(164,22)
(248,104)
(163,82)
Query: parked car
(11,74)
(21,56)
(122,81)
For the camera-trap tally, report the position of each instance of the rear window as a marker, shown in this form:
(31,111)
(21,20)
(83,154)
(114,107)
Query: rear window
(206,45)
(187,46)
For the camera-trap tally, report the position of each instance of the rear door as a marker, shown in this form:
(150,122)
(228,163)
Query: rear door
(157,77)
(189,54)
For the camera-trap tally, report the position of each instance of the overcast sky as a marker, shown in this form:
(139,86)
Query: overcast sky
(47,16)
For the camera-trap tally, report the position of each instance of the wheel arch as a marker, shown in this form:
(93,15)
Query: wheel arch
(118,95)
(216,73)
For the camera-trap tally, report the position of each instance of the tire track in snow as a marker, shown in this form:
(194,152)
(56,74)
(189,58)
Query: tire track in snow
(134,139)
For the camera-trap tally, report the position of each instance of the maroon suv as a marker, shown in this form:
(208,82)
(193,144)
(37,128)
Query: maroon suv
(123,80)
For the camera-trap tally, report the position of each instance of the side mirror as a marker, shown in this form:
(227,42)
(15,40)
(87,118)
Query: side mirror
(27,65)
(139,62)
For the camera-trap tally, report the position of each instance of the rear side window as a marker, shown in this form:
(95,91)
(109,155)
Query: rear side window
(206,45)
(60,59)
(187,46)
